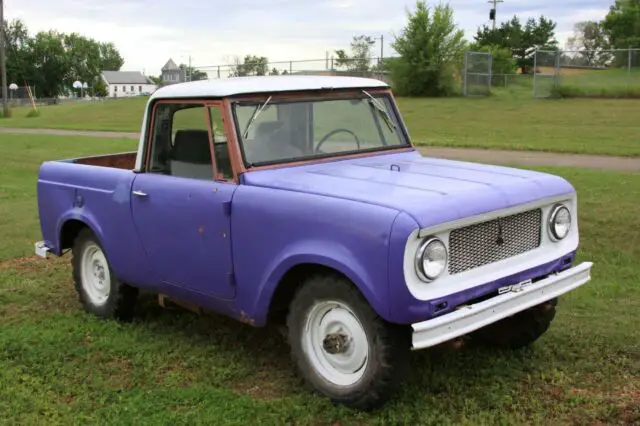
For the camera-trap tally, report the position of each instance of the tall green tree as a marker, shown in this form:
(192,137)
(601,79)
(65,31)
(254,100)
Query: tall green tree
(51,61)
(591,41)
(361,54)
(431,50)
(622,24)
(522,40)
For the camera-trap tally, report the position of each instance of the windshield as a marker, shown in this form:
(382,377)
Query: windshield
(273,131)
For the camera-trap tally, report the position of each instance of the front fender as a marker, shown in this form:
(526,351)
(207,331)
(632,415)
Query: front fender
(328,253)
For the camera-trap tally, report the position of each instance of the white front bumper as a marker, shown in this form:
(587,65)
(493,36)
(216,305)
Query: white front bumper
(472,317)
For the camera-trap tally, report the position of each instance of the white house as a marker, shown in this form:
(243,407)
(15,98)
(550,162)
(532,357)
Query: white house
(127,83)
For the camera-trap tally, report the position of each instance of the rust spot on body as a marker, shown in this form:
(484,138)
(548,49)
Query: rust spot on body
(246,319)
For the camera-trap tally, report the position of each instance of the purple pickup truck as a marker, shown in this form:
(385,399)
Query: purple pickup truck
(301,201)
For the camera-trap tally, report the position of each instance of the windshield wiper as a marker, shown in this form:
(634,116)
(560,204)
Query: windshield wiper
(256,112)
(385,115)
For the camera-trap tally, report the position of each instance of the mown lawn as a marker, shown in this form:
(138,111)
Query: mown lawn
(59,365)
(507,120)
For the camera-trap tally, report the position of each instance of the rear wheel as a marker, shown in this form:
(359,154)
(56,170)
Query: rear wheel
(99,290)
(519,330)
(341,348)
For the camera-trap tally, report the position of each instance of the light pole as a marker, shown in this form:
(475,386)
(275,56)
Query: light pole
(79,85)
(13,87)
(381,38)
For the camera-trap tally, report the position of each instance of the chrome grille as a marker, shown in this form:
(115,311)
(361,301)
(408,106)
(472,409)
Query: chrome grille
(478,244)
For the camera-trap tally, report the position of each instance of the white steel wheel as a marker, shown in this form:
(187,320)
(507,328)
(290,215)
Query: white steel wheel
(335,343)
(96,279)
(341,348)
(99,289)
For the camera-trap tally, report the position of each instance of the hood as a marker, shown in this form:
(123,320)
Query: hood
(431,190)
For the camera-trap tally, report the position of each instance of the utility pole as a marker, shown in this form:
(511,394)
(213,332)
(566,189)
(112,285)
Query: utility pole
(493,12)
(3,61)
(381,47)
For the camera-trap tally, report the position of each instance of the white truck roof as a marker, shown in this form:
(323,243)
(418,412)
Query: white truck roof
(257,84)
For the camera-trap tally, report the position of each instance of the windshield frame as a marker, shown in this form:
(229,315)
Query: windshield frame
(382,95)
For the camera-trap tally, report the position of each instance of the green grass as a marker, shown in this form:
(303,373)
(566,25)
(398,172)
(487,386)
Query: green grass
(506,120)
(59,365)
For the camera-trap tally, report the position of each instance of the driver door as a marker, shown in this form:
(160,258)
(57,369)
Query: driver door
(179,208)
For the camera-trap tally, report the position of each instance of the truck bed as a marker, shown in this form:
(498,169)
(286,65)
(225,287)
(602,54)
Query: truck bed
(121,160)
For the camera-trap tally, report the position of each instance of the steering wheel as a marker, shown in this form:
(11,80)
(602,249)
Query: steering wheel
(331,133)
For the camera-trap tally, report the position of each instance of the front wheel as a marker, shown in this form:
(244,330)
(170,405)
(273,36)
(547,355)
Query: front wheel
(341,348)
(99,290)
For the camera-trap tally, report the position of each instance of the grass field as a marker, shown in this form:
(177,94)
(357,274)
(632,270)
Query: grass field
(589,126)
(59,365)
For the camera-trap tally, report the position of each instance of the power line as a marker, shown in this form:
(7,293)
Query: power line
(494,11)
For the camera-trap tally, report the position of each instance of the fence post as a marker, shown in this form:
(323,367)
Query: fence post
(490,73)
(290,67)
(629,61)
(464,77)
(535,68)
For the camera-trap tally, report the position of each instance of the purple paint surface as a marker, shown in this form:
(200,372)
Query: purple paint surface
(226,246)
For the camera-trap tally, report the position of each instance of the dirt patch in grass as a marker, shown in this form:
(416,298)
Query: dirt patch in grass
(266,385)
(31,263)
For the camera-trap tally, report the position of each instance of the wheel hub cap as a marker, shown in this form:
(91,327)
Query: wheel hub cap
(335,343)
(95,274)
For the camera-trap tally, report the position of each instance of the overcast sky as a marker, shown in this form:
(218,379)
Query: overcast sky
(148,32)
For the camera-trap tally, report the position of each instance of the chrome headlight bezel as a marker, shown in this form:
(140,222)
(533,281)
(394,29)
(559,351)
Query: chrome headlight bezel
(551,223)
(419,259)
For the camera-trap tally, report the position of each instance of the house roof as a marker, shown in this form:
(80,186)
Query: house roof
(125,77)
(170,66)
(262,84)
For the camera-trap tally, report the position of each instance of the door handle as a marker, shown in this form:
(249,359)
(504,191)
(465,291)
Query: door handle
(139,193)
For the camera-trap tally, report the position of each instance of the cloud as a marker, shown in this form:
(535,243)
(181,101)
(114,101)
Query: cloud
(149,32)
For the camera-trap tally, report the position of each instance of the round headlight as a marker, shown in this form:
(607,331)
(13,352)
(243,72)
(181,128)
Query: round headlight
(431,259)
(559,222)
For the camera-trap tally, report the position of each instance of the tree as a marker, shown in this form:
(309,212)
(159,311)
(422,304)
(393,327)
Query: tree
(193,74)
(110,57)
(590,39)
(622,26)
(252,65)
(51,61)
(521,40)
(431,49)
(360,58)
(100,88)
(274,71)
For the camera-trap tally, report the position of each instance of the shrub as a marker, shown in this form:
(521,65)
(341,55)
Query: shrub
(431,50)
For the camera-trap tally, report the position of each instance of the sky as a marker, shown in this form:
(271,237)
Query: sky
(149,32)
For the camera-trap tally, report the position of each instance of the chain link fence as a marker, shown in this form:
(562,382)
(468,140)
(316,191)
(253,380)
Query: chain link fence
(328,66)
(476,76)
(587,73)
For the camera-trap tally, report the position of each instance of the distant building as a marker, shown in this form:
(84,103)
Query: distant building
(172,73)
(127,83)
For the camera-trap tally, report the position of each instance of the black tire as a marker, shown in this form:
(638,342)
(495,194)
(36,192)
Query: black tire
(121,300)
(388,345)
(519,330)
